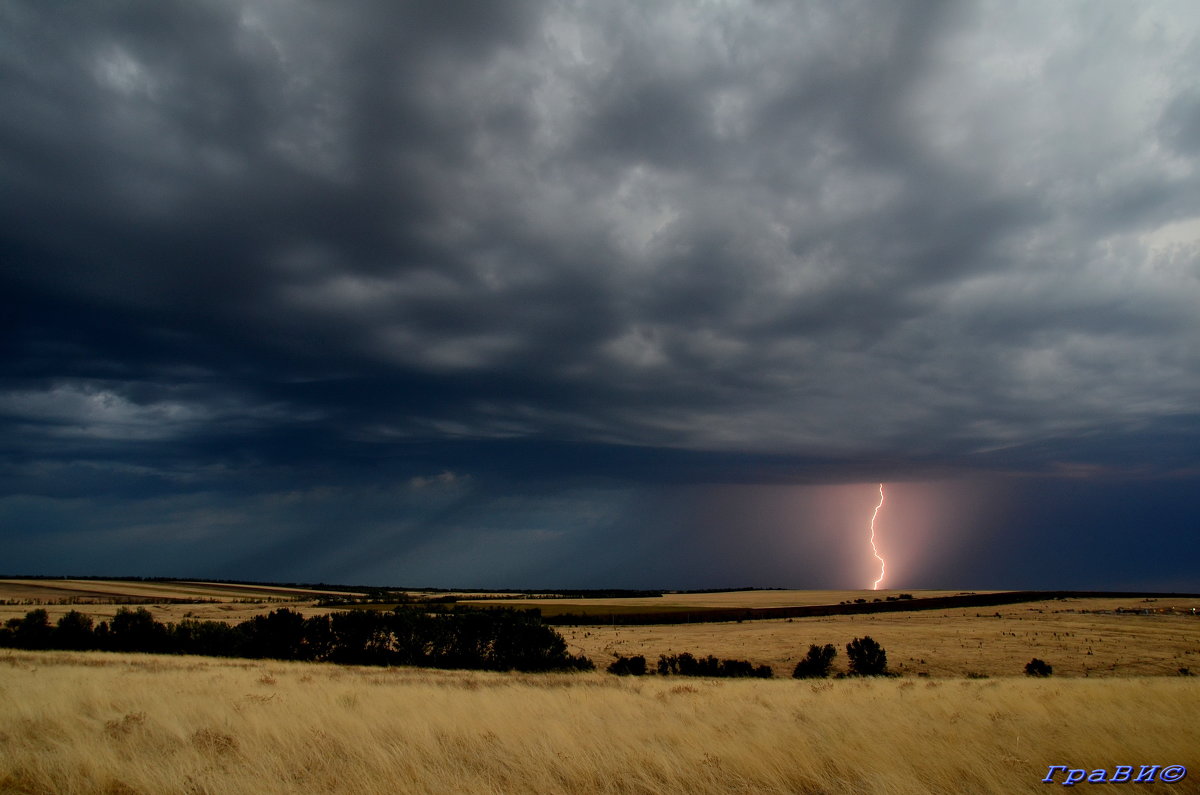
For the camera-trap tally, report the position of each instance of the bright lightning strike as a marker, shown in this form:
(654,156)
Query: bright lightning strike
(874,548)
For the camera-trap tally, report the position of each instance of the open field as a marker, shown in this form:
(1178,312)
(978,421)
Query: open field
(1079,637)
(169,601)
(1085,637)
(84,590)
(99,722)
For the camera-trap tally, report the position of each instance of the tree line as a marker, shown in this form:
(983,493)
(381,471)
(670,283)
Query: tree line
(494,640)
(497,640)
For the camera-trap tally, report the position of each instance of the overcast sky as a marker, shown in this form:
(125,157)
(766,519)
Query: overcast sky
(519,294)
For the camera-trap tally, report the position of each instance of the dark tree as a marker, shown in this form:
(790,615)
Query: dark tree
(867,658)
(1036,667)
(136,630)
(628,666)
(816,663)
(34,631)
(208,638)
(686,665)
(278,635)
(74,632)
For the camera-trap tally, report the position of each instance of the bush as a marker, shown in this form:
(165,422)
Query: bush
(867,658)
(686,665)
(1036,667)
(734,668)
(628,666)
(817,663)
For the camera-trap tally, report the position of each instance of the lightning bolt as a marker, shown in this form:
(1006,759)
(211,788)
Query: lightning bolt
(874,548)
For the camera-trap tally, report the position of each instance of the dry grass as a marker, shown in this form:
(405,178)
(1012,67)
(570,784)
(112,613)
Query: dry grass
(75,723)
(101,599)
(1085,637)
(1079,637)
(219,611)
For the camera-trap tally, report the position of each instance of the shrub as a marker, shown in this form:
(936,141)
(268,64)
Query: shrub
(1036,667)
(733,668)
(686,665)
(817,663)
(867,658)
(628,666)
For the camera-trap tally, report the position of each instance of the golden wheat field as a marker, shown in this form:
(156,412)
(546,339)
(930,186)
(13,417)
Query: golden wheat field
(1093,637)
(1084,637)
(96,722)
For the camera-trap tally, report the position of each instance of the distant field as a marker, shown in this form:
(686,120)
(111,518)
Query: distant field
(1086,637)
(682,602)
(128,723)
(107,722)
(54,590)
(1079,637)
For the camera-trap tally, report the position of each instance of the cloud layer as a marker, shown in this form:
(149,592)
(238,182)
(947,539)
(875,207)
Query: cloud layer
(262,242)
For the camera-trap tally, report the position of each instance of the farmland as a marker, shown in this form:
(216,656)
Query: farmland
(959,717)
(1092,637)
(100,722)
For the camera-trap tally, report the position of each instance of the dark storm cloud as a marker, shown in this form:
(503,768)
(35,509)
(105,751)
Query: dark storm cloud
(249,247)
(805,230)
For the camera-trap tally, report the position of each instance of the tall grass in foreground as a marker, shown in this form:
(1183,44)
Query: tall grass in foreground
(95,722)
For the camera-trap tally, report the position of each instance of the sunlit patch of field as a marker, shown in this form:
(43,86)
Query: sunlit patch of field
(132,589)
(140,724)
(232,612)
(1084,637)
(102,598)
